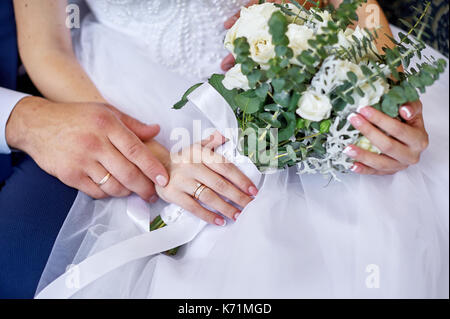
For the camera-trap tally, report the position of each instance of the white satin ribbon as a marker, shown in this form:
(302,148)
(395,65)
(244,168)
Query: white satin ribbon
(182,226)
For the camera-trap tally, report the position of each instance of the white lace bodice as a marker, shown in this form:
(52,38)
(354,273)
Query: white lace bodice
(184,35)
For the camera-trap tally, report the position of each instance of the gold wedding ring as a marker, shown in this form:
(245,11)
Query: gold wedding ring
(104,180)
(198,191)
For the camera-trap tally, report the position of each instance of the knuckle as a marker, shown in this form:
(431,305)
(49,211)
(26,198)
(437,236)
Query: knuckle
(69,176)
(243,199)
(397,130)
(208,196)
(102,119)
(91,142)
(387,146)
(425,142)
(130,175)
(134,150)
(220,185)
(414,160)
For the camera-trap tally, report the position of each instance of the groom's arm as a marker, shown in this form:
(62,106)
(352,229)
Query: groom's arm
(8,100)
(80,143)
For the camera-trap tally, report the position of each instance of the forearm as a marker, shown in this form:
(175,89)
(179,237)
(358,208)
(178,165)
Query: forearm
(47,52)
(60,78)
(371,16)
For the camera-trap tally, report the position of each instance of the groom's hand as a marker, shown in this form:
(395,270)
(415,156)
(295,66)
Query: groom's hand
(81,143)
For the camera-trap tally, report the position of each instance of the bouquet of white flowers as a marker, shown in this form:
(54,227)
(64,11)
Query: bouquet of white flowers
(300,73)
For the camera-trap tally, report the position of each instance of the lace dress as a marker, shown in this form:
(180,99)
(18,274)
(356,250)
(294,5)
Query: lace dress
(366,237)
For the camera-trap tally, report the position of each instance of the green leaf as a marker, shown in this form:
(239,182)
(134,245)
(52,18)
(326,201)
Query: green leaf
(352,77)
(289,131)
(282,98)
(389,107)
(291,153)
(254,77)
(306,58)
(278,27)
(301,124)
(325,126)
(184,99)
(216,82)
(293,103)
(262,91)
(248,102)
(278,84)
(269,119)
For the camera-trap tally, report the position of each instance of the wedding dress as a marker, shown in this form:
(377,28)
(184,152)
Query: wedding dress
(302,237)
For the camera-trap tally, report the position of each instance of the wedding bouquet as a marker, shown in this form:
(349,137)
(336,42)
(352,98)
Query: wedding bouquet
(300,73)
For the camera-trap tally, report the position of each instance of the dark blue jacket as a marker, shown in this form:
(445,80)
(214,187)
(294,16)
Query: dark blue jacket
(8,65)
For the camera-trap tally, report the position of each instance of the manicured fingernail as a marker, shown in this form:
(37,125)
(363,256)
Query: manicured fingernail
(365,111)
(220,222)
(161,180)
(236,216)
(154,199)
(253,191)
(355,168)
(406,112)
(349,151)
(355,119)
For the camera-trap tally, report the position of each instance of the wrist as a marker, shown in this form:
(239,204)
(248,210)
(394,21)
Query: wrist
(17,127)
(160,152)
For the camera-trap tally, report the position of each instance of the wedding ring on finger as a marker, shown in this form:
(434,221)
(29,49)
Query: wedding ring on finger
(198,191)
(104,180)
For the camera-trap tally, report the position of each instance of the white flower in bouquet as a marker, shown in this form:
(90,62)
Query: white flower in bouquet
(334,72)
(365,144)
(261,47)
(346,41)
(234,79)
(253,25)
(316,24)
(300,16)
(314,106)
(298,39)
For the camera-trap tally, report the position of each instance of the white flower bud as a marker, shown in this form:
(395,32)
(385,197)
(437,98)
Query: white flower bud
(234,79)
(314,107)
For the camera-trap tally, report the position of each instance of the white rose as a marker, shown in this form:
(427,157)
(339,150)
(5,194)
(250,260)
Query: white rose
(261,47)
(253,24)
(234,79)
(298,39)
(314,107)
(365,144)
(264,10)
(371,96)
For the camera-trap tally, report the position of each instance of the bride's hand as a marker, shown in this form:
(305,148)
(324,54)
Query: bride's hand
(401,144)
(200,165)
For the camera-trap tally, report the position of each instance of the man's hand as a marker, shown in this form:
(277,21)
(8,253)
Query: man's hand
(80,143)
(400,143)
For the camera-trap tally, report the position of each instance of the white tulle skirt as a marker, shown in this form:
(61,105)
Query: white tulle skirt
(364,237)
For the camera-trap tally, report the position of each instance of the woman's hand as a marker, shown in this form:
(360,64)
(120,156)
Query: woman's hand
(401,143)
(200,165)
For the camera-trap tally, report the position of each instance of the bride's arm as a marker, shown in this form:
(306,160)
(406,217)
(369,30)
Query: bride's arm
(45,47)
(371,16)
